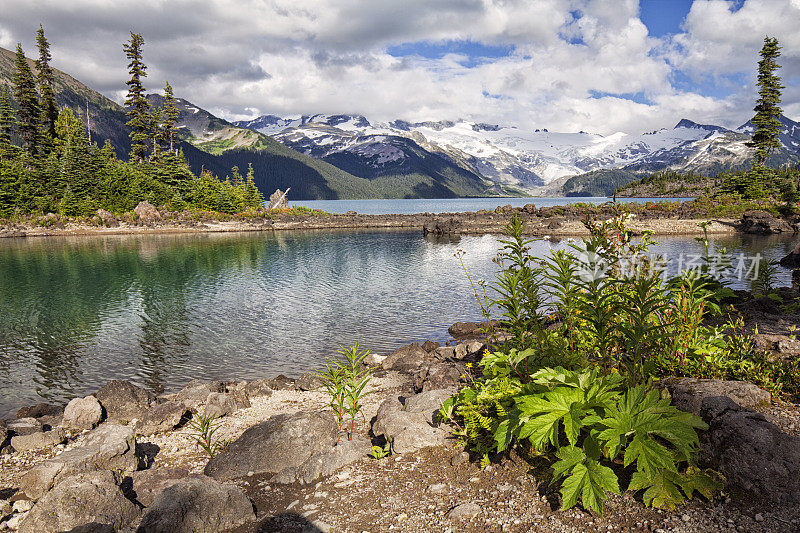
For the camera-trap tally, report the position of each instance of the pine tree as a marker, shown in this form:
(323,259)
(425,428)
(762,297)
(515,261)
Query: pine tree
(767,117)
(169,117)
(28,102)
(252,196)
(46,80)
(6,122)
(138,112)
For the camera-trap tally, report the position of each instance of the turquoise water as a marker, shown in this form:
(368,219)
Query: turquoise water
(457,205)
(160,310)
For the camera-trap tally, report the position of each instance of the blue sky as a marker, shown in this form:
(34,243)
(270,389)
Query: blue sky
(566,65)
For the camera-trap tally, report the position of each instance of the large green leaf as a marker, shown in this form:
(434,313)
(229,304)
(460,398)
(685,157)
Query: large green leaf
(660,490)
(587,478)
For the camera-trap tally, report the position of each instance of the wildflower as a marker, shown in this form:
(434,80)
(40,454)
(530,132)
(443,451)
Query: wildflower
(469,365)
(546,237)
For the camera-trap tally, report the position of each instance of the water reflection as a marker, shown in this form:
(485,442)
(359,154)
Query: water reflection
(161,310)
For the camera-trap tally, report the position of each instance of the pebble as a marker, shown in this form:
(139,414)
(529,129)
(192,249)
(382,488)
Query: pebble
(759,517)
(463,511)
(459,458)
(438,488)
(23,506)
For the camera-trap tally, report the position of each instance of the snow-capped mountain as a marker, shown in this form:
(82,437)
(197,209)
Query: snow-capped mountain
(513,157)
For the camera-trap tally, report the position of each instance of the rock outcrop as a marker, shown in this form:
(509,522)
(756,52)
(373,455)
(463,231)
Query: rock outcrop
(124,401)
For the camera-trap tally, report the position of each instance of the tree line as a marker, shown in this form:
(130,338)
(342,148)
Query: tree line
(48,162)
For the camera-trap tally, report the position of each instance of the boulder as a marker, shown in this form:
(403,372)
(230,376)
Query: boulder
(124,401)
(278,200)
(758,460)
(79,500)
(439,376)
(109,447)
(440,227)
(162,417)
(258,387)
(147,212)
(82,413)
(24,426)
(107,218)
(428,403)
(407,430)
(688,393)
(196,393)
(197,506)
(374,359)
(145,485)
(763,223)
(269,447)
(219,404)
(406,359)
(325,463)
(38,441)
(468,330)
(309,381)
(40,410)
(430,346)
(93,527)
(445,352)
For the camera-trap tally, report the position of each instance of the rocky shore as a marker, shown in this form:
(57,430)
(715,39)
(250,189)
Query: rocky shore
(123,459)
(559,221)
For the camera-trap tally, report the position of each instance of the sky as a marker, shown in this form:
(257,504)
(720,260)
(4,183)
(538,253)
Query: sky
(600,66)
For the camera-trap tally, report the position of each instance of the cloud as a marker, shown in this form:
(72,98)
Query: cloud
(571,64)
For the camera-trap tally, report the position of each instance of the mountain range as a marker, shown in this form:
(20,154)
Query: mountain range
(536,161)
(349,156)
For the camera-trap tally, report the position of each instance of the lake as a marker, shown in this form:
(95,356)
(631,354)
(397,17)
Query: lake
(160,310)
(455,205)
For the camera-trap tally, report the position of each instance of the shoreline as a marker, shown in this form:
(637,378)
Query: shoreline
(471,223)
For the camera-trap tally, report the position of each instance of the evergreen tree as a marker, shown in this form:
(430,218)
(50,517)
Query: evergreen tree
(46,80)
(28,102)
(6,122)
(138,107)
(169,118)
(252,196)
(767,117)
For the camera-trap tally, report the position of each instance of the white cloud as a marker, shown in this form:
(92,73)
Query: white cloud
(239,58)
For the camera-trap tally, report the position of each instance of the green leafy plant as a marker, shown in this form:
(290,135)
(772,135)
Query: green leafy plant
(203,429)
(379,452)
(345,379)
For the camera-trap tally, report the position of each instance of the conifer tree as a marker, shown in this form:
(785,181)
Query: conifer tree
(767,117)
(138,112)
(6,122)
(252,196)
(46,80)
(169,117)
(28,102)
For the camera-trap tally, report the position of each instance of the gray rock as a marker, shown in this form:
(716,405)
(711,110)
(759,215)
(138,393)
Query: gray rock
(475,347)
(145,485)
(445,352)
(439,376)
(758,460)
(428,403)
(326,462)
(239,395)
(107,218)
(6,509)
(408,431)
(219,404)
(78,500)
(82,413)
(124,401)
(40,410)
(38,441)
(464,511)
(788,347)
(109,447)
(197,506)
(161,418)
(430,346)
(269,447)
(22,506)
(278,200)
(147,212)
(196,393)
(309,381)
(24,426)
(763,223)
(688,393)
(258,387)
(461,351)
(406,359)
(374,359)
(468,330)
